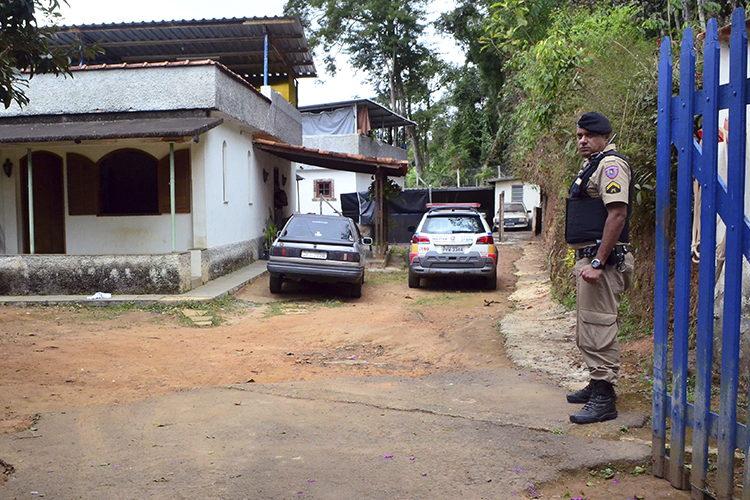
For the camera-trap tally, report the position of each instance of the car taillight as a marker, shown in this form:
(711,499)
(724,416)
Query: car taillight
(420,239)
(344,256)
(486,240)
(282,251)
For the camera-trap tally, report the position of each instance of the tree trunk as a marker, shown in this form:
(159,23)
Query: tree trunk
(398,103)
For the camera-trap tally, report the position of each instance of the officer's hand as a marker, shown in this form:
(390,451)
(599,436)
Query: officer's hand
(590,275)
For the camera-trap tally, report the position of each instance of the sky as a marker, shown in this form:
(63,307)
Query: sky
(344,86)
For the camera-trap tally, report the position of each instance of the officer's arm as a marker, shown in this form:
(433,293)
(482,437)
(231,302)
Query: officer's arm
(617,213)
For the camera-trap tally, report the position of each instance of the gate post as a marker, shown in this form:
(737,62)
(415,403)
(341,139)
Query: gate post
(707,266)
(661,278)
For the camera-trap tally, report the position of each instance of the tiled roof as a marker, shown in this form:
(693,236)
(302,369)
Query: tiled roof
(333,159)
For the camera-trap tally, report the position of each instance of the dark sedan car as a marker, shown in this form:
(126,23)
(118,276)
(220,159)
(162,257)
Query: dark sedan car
(318,248)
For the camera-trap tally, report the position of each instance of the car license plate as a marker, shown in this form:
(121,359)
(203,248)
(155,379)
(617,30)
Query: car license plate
(313,254)
(453,249)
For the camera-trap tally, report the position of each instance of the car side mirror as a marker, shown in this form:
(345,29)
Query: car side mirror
(367,241)
(528,211)
(411,228)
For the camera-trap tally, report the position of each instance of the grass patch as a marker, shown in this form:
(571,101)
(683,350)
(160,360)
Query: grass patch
(104,312)
(376,278)
(280,308)
(443,298)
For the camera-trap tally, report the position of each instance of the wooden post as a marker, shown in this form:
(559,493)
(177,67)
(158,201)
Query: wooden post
(381,231)
(500,215)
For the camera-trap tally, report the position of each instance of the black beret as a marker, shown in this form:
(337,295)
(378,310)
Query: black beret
(596,123)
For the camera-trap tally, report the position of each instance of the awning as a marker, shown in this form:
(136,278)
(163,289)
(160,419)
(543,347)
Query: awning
(237,43)
(334,160)
(95,127)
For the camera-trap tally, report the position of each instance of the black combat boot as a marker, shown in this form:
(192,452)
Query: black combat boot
(583,396)
(600,407)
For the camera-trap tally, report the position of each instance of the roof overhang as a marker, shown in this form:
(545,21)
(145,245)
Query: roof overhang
(237,43)
(95,127)
(334,160)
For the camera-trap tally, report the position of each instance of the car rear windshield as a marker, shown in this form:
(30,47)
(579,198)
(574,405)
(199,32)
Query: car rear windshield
(513,207)
(309,229)
(451,224)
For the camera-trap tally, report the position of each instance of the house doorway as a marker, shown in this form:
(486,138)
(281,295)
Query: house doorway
(49,203)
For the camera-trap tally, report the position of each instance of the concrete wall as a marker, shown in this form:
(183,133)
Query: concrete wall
(117,274)
(162,88)
(343,182)
(354,144)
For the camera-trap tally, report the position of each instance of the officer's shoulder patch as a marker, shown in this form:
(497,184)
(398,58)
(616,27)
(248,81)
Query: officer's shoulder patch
(613,188)
(611,171)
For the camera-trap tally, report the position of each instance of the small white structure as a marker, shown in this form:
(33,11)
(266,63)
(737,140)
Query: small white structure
(516,190)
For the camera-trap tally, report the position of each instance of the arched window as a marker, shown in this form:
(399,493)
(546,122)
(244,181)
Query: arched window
(129,183)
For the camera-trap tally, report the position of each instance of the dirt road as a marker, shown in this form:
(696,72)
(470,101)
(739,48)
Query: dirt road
(62,360)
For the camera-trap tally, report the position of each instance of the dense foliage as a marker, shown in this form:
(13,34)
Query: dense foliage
(25,46)
(531,68)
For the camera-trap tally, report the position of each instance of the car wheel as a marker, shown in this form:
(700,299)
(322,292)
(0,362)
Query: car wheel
(413,281)
(274,283)
(491,282)
(356,290)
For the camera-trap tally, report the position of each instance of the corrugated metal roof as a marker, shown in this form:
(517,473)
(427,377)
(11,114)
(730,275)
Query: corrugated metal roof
(237,43)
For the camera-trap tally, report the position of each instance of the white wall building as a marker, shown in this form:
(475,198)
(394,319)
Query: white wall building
(100,145)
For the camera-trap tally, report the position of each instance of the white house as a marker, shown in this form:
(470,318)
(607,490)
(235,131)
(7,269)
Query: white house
(101,212)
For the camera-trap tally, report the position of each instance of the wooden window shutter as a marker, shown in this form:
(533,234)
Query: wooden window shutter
(83,185)
(182,182)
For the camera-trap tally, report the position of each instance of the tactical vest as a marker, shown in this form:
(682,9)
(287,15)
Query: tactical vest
(585,216)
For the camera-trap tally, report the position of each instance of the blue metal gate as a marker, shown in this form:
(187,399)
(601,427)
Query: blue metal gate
(676,115)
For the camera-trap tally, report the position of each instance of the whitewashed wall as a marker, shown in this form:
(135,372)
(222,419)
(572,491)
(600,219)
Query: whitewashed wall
(249,200)
(212,221)
(531,194)
(90,234)
(343,182)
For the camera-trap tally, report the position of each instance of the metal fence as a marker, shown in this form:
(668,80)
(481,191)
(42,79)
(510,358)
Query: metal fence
(696,160)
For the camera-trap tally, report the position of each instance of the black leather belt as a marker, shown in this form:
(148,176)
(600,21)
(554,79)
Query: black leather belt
(589,252)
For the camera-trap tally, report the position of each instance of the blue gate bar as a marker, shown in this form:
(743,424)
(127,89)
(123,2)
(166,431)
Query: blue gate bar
(713,424)
(684,114)
(733,264)
(707,266)
(661,276)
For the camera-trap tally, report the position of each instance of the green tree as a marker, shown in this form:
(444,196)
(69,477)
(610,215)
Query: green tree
(381,38)
(26,48)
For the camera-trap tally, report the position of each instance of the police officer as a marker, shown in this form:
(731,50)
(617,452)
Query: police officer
(597,227)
